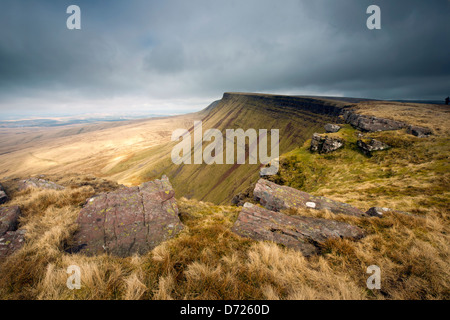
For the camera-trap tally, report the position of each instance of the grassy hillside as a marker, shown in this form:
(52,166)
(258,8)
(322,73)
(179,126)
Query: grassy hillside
(208,261)
(296,118)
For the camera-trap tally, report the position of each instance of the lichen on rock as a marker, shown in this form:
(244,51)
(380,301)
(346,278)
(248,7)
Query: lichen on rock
(304,234)
(128,220)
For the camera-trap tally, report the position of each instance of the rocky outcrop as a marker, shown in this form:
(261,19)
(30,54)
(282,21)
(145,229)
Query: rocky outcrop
(128,220)
(371,123)
(3,195)
(332,128)
(370,146)
(275,197)
(11,239)
(39,183)
(325,144)
(420,132)
(304,234)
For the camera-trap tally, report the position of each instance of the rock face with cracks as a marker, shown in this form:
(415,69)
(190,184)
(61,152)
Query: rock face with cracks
(304,234)
(374,124)
(129,220)
(325,144)
(275,197)
(371,123)
(420,132)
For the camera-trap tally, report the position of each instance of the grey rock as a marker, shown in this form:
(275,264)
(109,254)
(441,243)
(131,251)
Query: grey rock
(332,128)
(275,197)
(373,124)
(371,146)
(420,132)
(11,239)
(304,234)
(325,144)
(9,219)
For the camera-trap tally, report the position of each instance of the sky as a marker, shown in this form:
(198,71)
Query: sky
(177,56)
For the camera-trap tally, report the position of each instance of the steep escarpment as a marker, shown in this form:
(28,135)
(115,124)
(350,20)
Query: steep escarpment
(296,118)
(280,103)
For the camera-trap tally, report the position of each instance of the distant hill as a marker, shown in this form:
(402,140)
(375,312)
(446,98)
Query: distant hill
(67,121)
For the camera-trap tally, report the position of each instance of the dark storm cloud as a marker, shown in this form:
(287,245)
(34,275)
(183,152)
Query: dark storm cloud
(136,55)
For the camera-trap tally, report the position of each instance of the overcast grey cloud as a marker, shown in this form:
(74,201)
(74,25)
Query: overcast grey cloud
(177,55)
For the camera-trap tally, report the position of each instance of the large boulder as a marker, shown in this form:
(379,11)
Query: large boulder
(371,123)
(3,195)
(332,128)
(275,197)
(325,144)
(128,220)
(420,132)
(11,239)
(39,183)
(301,233)
(372,145)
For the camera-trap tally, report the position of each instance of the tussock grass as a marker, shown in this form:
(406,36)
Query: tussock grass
(207,261)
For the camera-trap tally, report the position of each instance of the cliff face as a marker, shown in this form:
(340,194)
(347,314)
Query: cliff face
(317,106)
(296,118)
